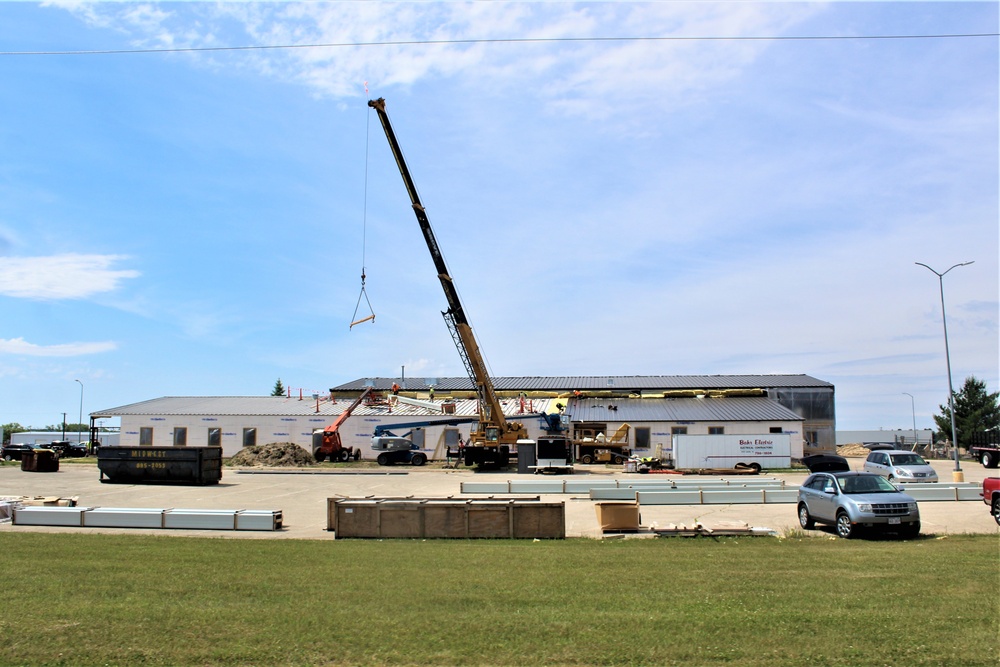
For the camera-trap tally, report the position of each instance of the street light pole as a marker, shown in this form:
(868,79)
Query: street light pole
(80,422)
(913,411)
(947,357)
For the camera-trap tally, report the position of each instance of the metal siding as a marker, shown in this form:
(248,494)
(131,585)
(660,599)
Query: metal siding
(600,382)
(679,409)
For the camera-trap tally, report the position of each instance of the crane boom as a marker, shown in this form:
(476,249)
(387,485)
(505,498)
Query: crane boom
(495,432)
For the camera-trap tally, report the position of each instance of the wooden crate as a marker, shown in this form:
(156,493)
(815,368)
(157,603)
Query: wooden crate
(423,518)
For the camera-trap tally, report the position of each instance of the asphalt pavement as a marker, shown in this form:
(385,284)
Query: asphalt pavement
(302,494)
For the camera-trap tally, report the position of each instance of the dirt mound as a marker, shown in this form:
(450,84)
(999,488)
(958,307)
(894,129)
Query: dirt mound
(273,455)
(853,449)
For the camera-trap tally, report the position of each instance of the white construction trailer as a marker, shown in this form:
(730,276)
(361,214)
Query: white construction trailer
(760,452)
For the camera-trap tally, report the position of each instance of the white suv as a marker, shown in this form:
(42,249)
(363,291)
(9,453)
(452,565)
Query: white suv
(900,466)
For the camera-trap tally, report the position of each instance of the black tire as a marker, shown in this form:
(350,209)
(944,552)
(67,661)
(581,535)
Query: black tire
(383,460)
(990,460)
(357,454)
(845,528)
(619,460)
(7,457)
(755,467)
(805,520)
(586,459)
(344,455)
(995,510)
(418,459)
(319,456)
(912,531)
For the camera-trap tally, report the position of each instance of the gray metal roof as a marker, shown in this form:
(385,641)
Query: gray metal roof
(616,383)
(293,407)
(585,409)
(730,409)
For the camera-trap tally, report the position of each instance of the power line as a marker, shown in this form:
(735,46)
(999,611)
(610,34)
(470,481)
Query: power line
(513,40)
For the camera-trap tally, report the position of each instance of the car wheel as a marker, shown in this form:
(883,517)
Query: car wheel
(344,455)
(587,459)
(383,459)
(619,460)
(989,460)
(845,528)
(418,460)
(912,530)
(805,520)
(996,510)
(7,457)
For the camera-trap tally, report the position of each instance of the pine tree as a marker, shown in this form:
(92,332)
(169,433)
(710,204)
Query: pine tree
(279,389)
(975,411)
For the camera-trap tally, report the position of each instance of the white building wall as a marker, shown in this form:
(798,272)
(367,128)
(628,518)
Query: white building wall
(358,430)
(269,429)
(355,432)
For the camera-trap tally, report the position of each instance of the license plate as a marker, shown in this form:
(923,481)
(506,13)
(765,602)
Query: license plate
(893,520)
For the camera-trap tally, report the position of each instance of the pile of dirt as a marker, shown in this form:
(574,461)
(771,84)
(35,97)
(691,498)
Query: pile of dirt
(853,449)
(273,455)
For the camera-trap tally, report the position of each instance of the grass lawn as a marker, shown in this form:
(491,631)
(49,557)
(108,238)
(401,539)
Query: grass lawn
(86,599)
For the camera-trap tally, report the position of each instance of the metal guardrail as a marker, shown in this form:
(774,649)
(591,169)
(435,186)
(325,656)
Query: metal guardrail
(703,491)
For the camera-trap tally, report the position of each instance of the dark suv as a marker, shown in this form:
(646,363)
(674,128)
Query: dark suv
(14,452)
(66,449)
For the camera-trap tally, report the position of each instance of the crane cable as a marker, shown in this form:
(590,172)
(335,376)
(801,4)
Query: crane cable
(364,234)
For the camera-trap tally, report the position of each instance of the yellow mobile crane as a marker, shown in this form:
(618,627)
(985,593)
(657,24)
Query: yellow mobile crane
(490,443)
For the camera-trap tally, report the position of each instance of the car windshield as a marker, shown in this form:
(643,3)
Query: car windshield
(907,460)
(865,484)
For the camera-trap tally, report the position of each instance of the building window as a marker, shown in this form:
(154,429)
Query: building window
(812,437)
(417,437)
(775,429)
(145,436)
(642,437)
(716,430)
(249,437)
(180,436)
(678,430)
(215,437)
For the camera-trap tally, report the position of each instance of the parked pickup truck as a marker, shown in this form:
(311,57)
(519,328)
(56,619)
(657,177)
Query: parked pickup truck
(991,496)
(985,448)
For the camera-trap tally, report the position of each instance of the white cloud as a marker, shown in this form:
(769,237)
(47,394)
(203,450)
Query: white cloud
(594,79)
(22,347)
(68,276)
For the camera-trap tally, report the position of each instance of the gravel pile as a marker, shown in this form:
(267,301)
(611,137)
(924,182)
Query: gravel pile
(853,449)
(273,455)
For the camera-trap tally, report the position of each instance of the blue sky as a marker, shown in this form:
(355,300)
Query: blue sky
(196,222)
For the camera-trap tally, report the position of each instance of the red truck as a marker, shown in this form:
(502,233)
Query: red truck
(991,496)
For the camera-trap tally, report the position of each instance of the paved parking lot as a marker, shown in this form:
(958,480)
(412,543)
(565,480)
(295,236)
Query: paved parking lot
(302,496)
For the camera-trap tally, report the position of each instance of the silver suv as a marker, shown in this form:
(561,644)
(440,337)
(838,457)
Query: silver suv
(854,500)
(900,466)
